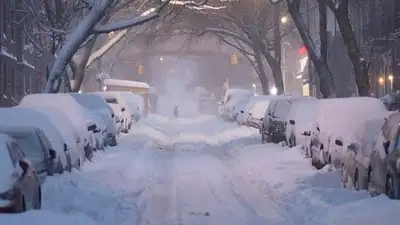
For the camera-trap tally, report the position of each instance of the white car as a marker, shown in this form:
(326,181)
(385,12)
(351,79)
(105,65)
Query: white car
(67,130)
(78,115)
(119,107)
(17,116)
(99,106)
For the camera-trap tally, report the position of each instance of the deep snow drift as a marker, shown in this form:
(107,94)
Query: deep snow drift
(202,171)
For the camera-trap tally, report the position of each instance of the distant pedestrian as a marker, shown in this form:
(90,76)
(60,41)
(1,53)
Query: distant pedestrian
(176,112)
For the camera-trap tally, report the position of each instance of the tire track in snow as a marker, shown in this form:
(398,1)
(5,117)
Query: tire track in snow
(156,200)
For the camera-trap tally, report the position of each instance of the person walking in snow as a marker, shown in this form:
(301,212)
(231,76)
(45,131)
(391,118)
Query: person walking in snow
(176,112)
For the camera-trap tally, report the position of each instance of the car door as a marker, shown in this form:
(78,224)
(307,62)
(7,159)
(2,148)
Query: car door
(26,182)
(278,120)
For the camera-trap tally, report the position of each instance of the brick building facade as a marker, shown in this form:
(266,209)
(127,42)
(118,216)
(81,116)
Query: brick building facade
(21,70)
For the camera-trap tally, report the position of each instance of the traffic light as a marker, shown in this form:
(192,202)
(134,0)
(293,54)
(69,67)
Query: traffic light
(234,59)
(140,69)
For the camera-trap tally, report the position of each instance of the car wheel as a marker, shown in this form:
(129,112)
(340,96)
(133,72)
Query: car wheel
(343,176)
(20,206)
(38,201)
(356,180)
(292,141)
(389,189)
(113,141)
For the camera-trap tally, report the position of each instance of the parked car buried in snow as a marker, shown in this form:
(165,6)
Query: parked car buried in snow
(336,122)
(19,184)
(385,159)
(35,146)
(356,166)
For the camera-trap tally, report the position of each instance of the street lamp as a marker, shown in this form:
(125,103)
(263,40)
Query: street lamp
(273,90)
(391,82)
(381,80)
(284,19)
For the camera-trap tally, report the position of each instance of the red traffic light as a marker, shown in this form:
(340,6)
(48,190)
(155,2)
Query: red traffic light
(302,50)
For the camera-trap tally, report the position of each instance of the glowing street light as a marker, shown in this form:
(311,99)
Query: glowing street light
(391,82)
(284,20)
(254,85)
(161,59)
(381,80)
(273,90)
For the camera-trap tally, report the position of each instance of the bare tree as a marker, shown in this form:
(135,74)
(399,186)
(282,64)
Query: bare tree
(327,83)
(252,27)
(340,9)
(73,44)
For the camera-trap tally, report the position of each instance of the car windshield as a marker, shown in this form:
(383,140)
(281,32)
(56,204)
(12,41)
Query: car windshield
(88,101)
(30,145)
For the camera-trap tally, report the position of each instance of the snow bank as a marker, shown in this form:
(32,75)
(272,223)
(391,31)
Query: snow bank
(46,218)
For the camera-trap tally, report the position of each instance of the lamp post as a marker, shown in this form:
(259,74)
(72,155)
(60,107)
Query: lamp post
(391,82)
(382,86)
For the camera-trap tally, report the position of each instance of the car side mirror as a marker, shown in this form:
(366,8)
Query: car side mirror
(353,147)
(96,131)
(52,154)
(92,127)
(241,111)
(24,166)
(123,109)
(292,122)
(117,119)
(338,142)
(318,129)
(386,145)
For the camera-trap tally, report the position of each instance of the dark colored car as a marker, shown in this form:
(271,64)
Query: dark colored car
(19,183)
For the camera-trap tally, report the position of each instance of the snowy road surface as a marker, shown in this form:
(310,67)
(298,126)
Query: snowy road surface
(202,171)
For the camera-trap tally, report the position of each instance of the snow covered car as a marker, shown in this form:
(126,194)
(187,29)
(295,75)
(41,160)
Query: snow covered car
(20,186)
(17,116)
(98,105)
(134,103)
(335,124)
(244,113)
(275,118)
(238,108)
(230,99)
(119,108)
(78,115)
(300,119)
(356,166)
(385,159)
(32,142)
(68,132)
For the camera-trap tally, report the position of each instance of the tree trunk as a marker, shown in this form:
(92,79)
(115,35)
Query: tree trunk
(262,75)
(360,69)
(327,83)
(76,39)
(78,69)
(276,71)
(323,35)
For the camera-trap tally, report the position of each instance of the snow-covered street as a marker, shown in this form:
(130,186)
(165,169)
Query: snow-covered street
(202,171)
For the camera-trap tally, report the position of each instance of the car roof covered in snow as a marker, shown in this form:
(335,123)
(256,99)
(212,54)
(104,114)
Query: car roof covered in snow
(29,117)
(18,129)
(342,116)
(90,101)
(77,113)
(125,83)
